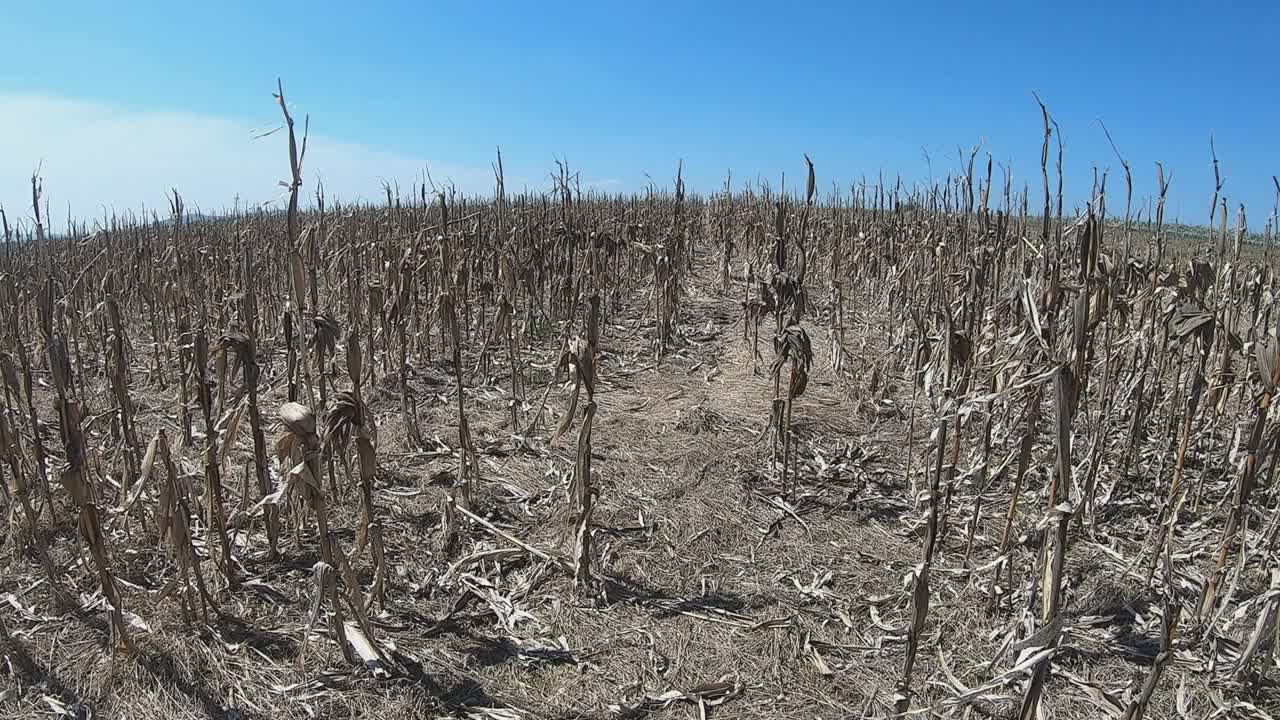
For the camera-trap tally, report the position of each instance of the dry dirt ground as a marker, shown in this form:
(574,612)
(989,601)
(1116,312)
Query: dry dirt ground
(720,599)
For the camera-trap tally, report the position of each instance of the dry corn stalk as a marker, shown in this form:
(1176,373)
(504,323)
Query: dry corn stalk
(10,446)
(1268,357)
(1171,611)
(581,358)
(1053,551)
(794,352)
(299,451)
(215,512)
(173,526)
(459,494)
(1264,636)
(350,418)
(246,353)
(119,377)
(76,481)
(920,573)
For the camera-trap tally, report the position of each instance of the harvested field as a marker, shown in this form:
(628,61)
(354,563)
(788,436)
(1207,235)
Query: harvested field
(572,455)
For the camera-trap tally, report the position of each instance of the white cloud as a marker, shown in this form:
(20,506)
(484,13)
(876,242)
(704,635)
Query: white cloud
(94,155)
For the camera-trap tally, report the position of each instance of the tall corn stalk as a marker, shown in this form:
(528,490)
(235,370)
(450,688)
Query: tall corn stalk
(173,526)
(920,573)
(9,443)
(1268,358)
(469,462)
(119,379)
(215,513)
(294,336)
(350,418)
(76,480)
(245,347)
(1053,552)
(580,355)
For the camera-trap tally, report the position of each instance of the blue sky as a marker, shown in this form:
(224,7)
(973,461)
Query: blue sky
(122,100)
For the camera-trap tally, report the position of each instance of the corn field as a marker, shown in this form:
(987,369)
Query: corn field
(957,450)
